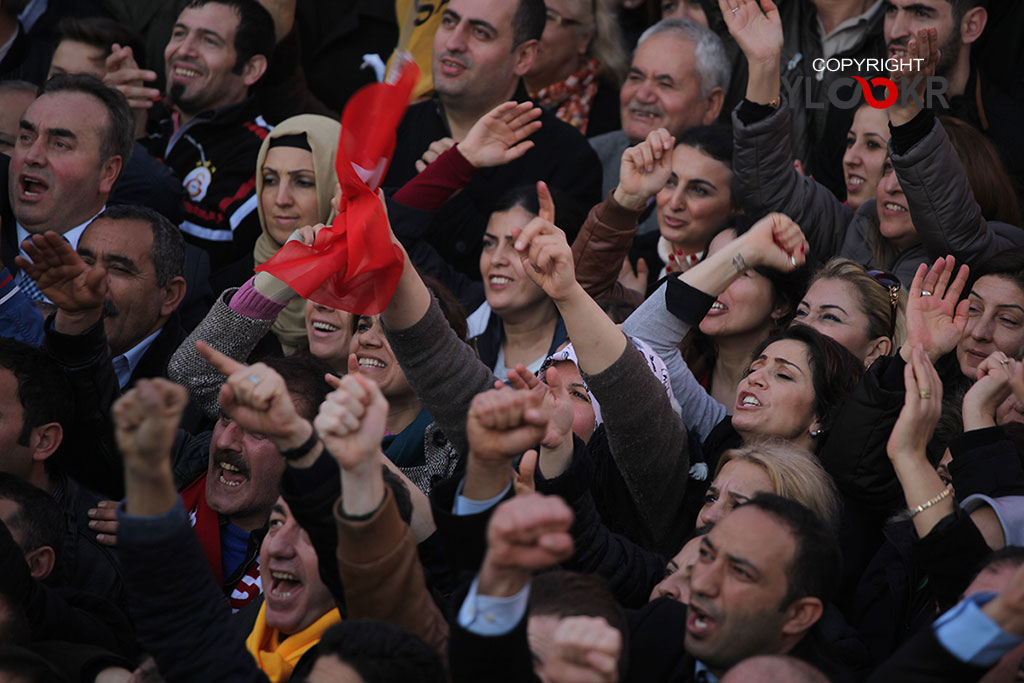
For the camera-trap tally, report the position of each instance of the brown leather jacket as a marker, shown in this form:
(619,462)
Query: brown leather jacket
(600,248)
(382,576)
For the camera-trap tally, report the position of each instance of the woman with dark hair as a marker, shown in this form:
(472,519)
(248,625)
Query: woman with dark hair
(518,324)
(990,183)
(745,304)
(690,180)
(637,419)
(796,381)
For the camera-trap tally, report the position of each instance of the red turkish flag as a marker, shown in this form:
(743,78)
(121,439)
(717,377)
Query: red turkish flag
(353,265)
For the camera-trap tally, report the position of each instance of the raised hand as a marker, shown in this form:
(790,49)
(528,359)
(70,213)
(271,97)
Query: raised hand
(936,318)
(257,399)
(634,280)
(546,255)
(644,170)
(928,497)
(992,388)
(926,494)
(499,136)
(283,13)
(555,402)
(124,74)
(525,534)
(436,149)
(921,408)
(915,69)
(76,288)
(775,241)
(756,29)
(146,420)
(351,421)
(584,650)
(502,424)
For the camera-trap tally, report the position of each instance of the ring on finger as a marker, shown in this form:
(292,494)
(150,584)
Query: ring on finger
(254,378)
(925,292)
(1004,361)
(925,394)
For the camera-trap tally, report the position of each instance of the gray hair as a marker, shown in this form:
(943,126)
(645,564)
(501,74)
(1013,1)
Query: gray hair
(713,66)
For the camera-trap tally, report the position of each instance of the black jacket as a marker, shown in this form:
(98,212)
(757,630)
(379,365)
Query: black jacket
(89,452)
(83,563)
(61,613)
(657,651)
(220,214)
(27,60)
(561,157)
(186,625)
(923,659)
(630,570)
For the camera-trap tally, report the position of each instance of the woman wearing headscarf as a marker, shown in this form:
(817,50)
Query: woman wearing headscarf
(295,179)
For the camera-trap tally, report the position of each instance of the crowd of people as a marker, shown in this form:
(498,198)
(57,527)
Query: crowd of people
(702,366)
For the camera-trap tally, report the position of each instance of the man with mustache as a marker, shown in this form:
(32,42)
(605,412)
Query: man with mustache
(116,318)
(677,80)
(127,273)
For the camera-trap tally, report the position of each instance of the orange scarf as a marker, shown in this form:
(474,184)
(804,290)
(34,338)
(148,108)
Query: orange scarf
(277,659)
(572,98)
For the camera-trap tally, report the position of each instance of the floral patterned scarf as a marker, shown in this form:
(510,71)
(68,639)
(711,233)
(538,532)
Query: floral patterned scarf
(572,98)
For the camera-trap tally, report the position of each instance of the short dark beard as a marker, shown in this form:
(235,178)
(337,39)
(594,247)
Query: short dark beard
(949,53)
(176,91)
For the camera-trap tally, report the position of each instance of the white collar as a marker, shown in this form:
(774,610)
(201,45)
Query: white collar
(6,47)
(72,236)
(134,355)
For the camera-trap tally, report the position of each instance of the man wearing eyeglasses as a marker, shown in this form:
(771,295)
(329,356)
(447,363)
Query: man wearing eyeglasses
(482,50)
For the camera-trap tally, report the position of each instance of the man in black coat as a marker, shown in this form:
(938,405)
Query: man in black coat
(761,584)
(481,51)
(759,588)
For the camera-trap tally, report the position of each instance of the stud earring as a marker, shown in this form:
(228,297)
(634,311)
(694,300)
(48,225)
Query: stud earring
(816,432)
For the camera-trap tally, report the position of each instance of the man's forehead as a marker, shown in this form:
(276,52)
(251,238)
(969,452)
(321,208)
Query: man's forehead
(281,508)
(755,535)
(76,111)
(213,16)
(127,237)
(497,13)
(666,52)
(8,386)
(937,5)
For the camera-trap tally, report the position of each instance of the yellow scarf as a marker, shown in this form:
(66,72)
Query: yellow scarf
(277,659)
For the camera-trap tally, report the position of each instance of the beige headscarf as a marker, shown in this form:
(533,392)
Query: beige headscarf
(322,135)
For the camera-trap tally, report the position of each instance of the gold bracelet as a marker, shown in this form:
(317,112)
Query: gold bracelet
(932,501)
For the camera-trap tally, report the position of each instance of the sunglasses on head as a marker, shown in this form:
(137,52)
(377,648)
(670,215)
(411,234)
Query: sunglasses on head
(891,283)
